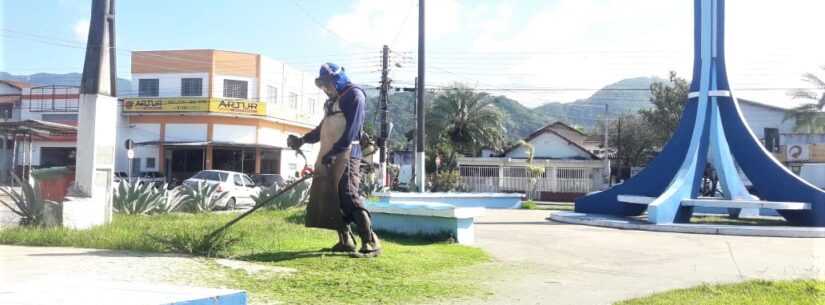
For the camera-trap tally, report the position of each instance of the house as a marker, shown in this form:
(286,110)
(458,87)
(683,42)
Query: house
(794,149)
(566,159)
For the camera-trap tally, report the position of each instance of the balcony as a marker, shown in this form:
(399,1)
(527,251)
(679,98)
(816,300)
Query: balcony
(53,98)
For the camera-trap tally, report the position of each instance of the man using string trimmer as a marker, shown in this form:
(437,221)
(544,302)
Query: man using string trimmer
(334,199)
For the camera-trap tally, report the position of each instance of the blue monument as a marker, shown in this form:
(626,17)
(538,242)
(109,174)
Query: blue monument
(712,130)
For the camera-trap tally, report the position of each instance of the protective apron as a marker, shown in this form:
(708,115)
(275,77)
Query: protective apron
(324,208)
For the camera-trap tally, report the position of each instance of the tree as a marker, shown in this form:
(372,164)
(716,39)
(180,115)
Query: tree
(809,117)
(668,100)
(463,121)
(634,140)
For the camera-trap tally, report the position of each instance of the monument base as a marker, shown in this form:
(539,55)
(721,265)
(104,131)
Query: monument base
(84,212)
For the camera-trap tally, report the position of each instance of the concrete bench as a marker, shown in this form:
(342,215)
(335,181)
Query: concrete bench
(744,204)
(484,200)
(425,218)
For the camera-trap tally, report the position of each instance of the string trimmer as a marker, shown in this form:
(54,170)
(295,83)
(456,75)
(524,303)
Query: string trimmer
(219,232)
(212,237)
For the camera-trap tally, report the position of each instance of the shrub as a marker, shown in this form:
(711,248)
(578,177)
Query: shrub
(28,203)
(140,198)
(201,197)
(529,205)
(444,181)
(297,195)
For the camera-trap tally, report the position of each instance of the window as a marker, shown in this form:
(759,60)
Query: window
(311,105)
(150,163)
(248,181)
(293,100)
(237,180)
(234,88)
(148,87)
(271,95)
(191,87)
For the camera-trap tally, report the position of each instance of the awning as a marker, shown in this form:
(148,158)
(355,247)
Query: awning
(205,143)
(37,128)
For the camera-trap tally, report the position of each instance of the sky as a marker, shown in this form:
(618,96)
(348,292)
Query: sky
(562,49)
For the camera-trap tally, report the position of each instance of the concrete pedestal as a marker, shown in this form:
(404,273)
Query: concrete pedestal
(89,202)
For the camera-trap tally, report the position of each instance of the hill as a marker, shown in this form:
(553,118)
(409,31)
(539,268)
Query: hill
(66,79)
(625,96)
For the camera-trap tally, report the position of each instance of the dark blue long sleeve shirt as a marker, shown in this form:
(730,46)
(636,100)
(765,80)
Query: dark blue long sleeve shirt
(352,104)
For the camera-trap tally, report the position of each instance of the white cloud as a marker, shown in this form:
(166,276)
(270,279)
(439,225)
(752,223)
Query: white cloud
(591,43)
(373,23)
(81,30)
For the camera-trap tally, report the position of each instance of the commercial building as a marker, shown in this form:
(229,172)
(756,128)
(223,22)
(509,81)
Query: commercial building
(191,110)
(21,102)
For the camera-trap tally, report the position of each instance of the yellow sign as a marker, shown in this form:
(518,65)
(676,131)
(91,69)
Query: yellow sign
(237,106)
(165,105)
(248,107)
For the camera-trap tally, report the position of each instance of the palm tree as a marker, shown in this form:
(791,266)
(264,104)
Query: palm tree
(466,120)
(809,117)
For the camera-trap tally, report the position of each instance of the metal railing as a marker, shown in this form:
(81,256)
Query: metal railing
(514,176)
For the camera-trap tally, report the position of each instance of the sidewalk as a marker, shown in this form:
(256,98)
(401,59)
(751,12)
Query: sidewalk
(553,263)
(40,275)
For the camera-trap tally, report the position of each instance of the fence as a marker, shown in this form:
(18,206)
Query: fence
(503,175)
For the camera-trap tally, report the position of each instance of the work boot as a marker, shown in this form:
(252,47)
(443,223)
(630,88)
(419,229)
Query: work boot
(346,242)
(370,245)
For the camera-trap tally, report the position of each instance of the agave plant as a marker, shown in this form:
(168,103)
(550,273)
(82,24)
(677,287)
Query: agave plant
(27,202)
(139,198)
(297,195)
(201,197)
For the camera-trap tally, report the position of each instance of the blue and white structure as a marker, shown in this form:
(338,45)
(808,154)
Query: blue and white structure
(712,130)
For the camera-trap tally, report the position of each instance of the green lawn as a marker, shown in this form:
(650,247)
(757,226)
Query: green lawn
(798,292)
(410,270)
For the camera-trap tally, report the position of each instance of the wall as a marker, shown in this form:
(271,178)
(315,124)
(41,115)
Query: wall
(760,117)
(172,61)
(241,134)
(551,146)
(169,84)
(185,132)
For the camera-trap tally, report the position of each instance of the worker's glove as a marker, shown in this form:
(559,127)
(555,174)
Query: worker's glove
(294,142)
(328,159)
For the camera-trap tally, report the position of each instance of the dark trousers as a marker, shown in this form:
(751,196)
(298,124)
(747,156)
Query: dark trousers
(349,190)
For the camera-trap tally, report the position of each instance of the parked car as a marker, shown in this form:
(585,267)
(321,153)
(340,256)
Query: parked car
(240,186)
(152,177)
(268,180)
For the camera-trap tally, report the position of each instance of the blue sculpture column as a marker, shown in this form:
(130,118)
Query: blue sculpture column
(712,130)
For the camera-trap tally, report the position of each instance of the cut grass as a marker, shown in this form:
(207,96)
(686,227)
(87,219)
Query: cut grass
(759,292)
(724,220)
(410,270)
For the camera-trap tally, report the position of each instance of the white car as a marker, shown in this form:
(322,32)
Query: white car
(239,185)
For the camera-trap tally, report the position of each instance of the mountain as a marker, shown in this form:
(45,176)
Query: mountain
(520,121)
(625,96)
(67,79)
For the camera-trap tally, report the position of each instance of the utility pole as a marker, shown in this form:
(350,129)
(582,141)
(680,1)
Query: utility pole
(420,172)
(605,151)
(385,118)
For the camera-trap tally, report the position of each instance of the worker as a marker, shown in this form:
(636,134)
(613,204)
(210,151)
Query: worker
(335,201)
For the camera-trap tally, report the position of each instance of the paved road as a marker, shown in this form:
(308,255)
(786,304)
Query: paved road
(557,263)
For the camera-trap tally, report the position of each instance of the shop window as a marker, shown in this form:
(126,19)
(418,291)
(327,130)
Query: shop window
(191,87)
(234,88)
(148,87)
